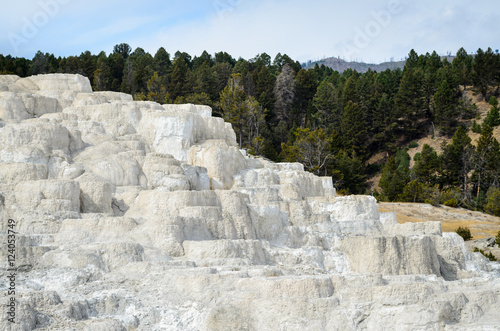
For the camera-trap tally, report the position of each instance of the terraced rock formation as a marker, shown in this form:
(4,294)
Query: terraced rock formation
(137,216)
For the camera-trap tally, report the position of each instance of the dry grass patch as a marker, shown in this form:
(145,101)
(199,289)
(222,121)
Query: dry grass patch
(481,225)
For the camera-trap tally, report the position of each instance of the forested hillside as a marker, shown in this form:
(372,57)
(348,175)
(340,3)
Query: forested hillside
(331,122)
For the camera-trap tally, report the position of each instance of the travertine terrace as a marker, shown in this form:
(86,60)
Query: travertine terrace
(141,216)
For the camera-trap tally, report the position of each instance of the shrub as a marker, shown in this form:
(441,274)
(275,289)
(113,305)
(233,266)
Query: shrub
(464,232)
(413,144)
(475,127)
(492,206)
(450,197)
(432,195)
(489,255)
(497,239)
(451,203)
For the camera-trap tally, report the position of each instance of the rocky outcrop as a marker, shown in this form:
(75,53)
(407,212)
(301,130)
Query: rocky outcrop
(140,216)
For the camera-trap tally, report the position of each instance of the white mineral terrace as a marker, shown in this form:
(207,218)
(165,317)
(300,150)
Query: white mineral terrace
(140,216)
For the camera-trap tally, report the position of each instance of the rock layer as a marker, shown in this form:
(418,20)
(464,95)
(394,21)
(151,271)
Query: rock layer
(137,216)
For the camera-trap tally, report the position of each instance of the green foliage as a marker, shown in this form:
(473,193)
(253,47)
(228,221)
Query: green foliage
(198,99)
(493,117)
(476,128)
(349,173)
(179,84)
(464,232)
(413,144)
(410,103)
(485,69)
(462,66)
(451,203)
(313,148)
(243,112)
(413,192)
(446,108)
(450,197)
(353,128)
(497,239)
(457,160)
(395,175)
(489,255)
(486,161)
(493,201)
(426,165)
(156,88)
(327,106)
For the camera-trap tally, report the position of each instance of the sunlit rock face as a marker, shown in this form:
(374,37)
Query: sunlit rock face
(140,216)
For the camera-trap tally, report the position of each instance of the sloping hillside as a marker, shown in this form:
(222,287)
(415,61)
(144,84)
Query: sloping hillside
(437,142)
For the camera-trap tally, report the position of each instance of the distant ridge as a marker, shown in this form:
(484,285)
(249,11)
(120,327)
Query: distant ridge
(361,67)
(341,65)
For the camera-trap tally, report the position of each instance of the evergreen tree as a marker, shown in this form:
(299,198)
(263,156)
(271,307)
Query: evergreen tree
(102,75)
(123,49)
(485,70)
(263,59)
(410,104)
(137,71)
(264,85)
(72,65)
(281,60)
(156,87)
(204,81)
(327,106)
(349,93)
(476,128)
(221,73)
(205,57)
(446,108)
(87,65)
(432,67)
(493,117)
(486,160)
(384,124)
(223,57)
(426,165)
(493,204)
(353,129)
(414,191)
(179,84)
(39,64)
(349,173)
(161,62)
(395,175)
(457,160)
(462,67)
(412,61)
(305,88)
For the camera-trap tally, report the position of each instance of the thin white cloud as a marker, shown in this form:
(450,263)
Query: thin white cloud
(112,29)
(302,29)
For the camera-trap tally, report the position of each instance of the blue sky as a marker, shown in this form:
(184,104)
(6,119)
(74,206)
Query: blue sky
(363,30)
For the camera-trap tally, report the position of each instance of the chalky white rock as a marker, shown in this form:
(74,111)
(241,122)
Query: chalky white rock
(140,216)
